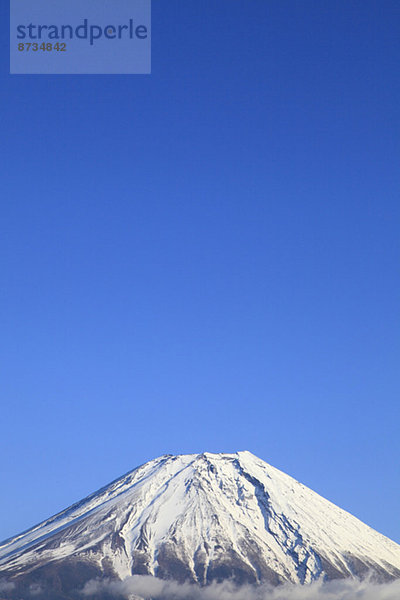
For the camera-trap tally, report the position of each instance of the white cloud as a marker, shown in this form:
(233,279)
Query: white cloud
(140,587)
(35,589)
(6,586)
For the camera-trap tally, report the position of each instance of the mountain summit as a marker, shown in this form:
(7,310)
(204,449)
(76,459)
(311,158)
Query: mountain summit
(200,518)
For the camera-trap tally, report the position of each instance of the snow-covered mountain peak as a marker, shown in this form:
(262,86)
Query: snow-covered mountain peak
(205,517)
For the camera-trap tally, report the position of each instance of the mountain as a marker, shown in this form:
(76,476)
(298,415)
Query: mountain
(198,518)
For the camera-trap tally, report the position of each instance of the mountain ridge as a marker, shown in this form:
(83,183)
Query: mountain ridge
(203,518)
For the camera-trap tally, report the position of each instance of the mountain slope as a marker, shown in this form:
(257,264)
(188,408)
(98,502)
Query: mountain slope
(202,518)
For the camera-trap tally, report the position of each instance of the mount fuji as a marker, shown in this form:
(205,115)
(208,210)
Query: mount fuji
(199,518)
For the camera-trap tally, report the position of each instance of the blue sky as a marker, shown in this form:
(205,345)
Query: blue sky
(206,258)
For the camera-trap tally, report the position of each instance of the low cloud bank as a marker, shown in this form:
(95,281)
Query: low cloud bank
(141,587)
(6,586)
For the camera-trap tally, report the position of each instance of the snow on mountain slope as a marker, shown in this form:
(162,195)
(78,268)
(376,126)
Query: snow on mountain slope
(206,517)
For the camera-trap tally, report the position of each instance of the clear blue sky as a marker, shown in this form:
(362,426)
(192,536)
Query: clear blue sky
(206,258)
